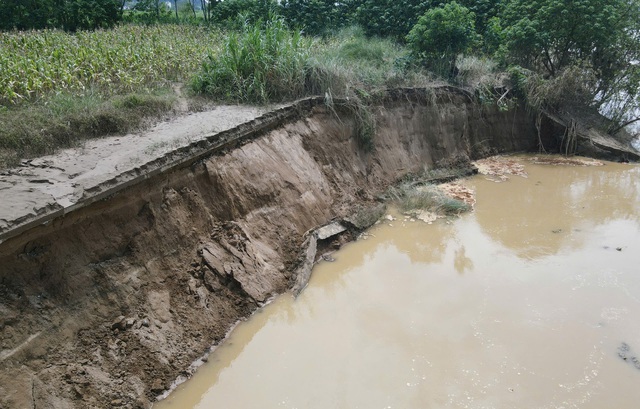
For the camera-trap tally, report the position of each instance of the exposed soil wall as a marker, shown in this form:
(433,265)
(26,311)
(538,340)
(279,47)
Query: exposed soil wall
(107,305)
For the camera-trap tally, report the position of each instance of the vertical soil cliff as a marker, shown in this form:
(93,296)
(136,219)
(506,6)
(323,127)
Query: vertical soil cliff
(107,305)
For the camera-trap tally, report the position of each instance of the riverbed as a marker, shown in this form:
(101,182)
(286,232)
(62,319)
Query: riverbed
(531,300)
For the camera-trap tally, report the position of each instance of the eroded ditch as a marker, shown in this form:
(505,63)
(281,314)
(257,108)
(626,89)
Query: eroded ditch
(107,305)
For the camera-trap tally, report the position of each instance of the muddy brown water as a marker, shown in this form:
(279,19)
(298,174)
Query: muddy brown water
(531,301)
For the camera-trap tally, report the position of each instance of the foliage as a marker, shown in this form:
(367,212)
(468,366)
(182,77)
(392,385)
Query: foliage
(442,33)
(551,34)
(149,12)
(313,17)
(235,13)
(258,64)
(551,37)
(70,15)
(124,59)
(389,18)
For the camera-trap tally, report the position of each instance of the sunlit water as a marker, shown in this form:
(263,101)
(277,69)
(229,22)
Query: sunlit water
(524,303)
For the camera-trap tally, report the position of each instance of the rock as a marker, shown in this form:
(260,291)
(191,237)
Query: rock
(157,386)
(130,322)
(119,323)
(330,230)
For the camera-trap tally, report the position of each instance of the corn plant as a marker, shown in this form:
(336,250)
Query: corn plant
(126,59)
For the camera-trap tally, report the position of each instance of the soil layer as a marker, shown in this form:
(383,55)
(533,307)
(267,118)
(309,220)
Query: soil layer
(107,304)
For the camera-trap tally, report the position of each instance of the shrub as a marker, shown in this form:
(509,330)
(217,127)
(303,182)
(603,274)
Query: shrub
(441,34)
(410,197)
(258,64)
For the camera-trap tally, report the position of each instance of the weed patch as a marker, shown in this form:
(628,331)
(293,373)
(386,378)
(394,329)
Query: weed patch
(412,198)
(65,120)
(258,64)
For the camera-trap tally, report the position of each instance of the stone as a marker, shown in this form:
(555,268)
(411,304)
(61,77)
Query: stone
(157,386)
(119,323)
(330,230)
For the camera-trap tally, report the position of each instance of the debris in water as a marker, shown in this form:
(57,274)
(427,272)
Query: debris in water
(427,216)
(562,160)
(498,167)
(327,257)
(624,352)
(458,191)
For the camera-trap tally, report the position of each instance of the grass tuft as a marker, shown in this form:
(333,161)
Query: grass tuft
(65,120)
(262,63)
(410,197)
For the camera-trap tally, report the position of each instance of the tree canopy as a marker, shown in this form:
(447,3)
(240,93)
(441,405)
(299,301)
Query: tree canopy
(70,15)
(446,30)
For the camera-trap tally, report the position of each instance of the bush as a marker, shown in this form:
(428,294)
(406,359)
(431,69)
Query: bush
(257,65)
(441,34)
(411,198)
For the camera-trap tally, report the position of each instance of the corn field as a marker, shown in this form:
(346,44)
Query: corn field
(125,59)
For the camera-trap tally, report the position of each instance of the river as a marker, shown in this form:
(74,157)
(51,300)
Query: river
(530,301)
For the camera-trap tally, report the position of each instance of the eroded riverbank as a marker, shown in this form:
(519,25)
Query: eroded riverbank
(109,300)
(529,301)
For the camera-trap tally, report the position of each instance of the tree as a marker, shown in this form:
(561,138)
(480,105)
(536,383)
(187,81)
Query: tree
(441,34)
(229,11)
(313,17)
(603,36)
(70,15)
(389,18)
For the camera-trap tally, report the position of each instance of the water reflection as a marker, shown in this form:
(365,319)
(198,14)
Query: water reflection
(574,200)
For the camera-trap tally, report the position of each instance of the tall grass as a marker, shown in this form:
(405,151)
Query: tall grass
(258,64)
(268,62)
(350,62)
(410,197)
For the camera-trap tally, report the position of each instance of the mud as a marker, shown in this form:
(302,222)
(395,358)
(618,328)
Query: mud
(105,300)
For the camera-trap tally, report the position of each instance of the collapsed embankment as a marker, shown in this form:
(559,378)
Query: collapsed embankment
(106,305)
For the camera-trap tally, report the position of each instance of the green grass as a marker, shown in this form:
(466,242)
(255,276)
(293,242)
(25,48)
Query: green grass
(355,62)
(258,64)
(126,59)
(268,62)
(411,197)
(65,120)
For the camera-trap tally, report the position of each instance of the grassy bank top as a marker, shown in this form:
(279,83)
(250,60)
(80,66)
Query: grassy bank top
(58,88)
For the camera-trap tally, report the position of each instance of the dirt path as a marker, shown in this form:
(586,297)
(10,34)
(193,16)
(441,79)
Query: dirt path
(57,182)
